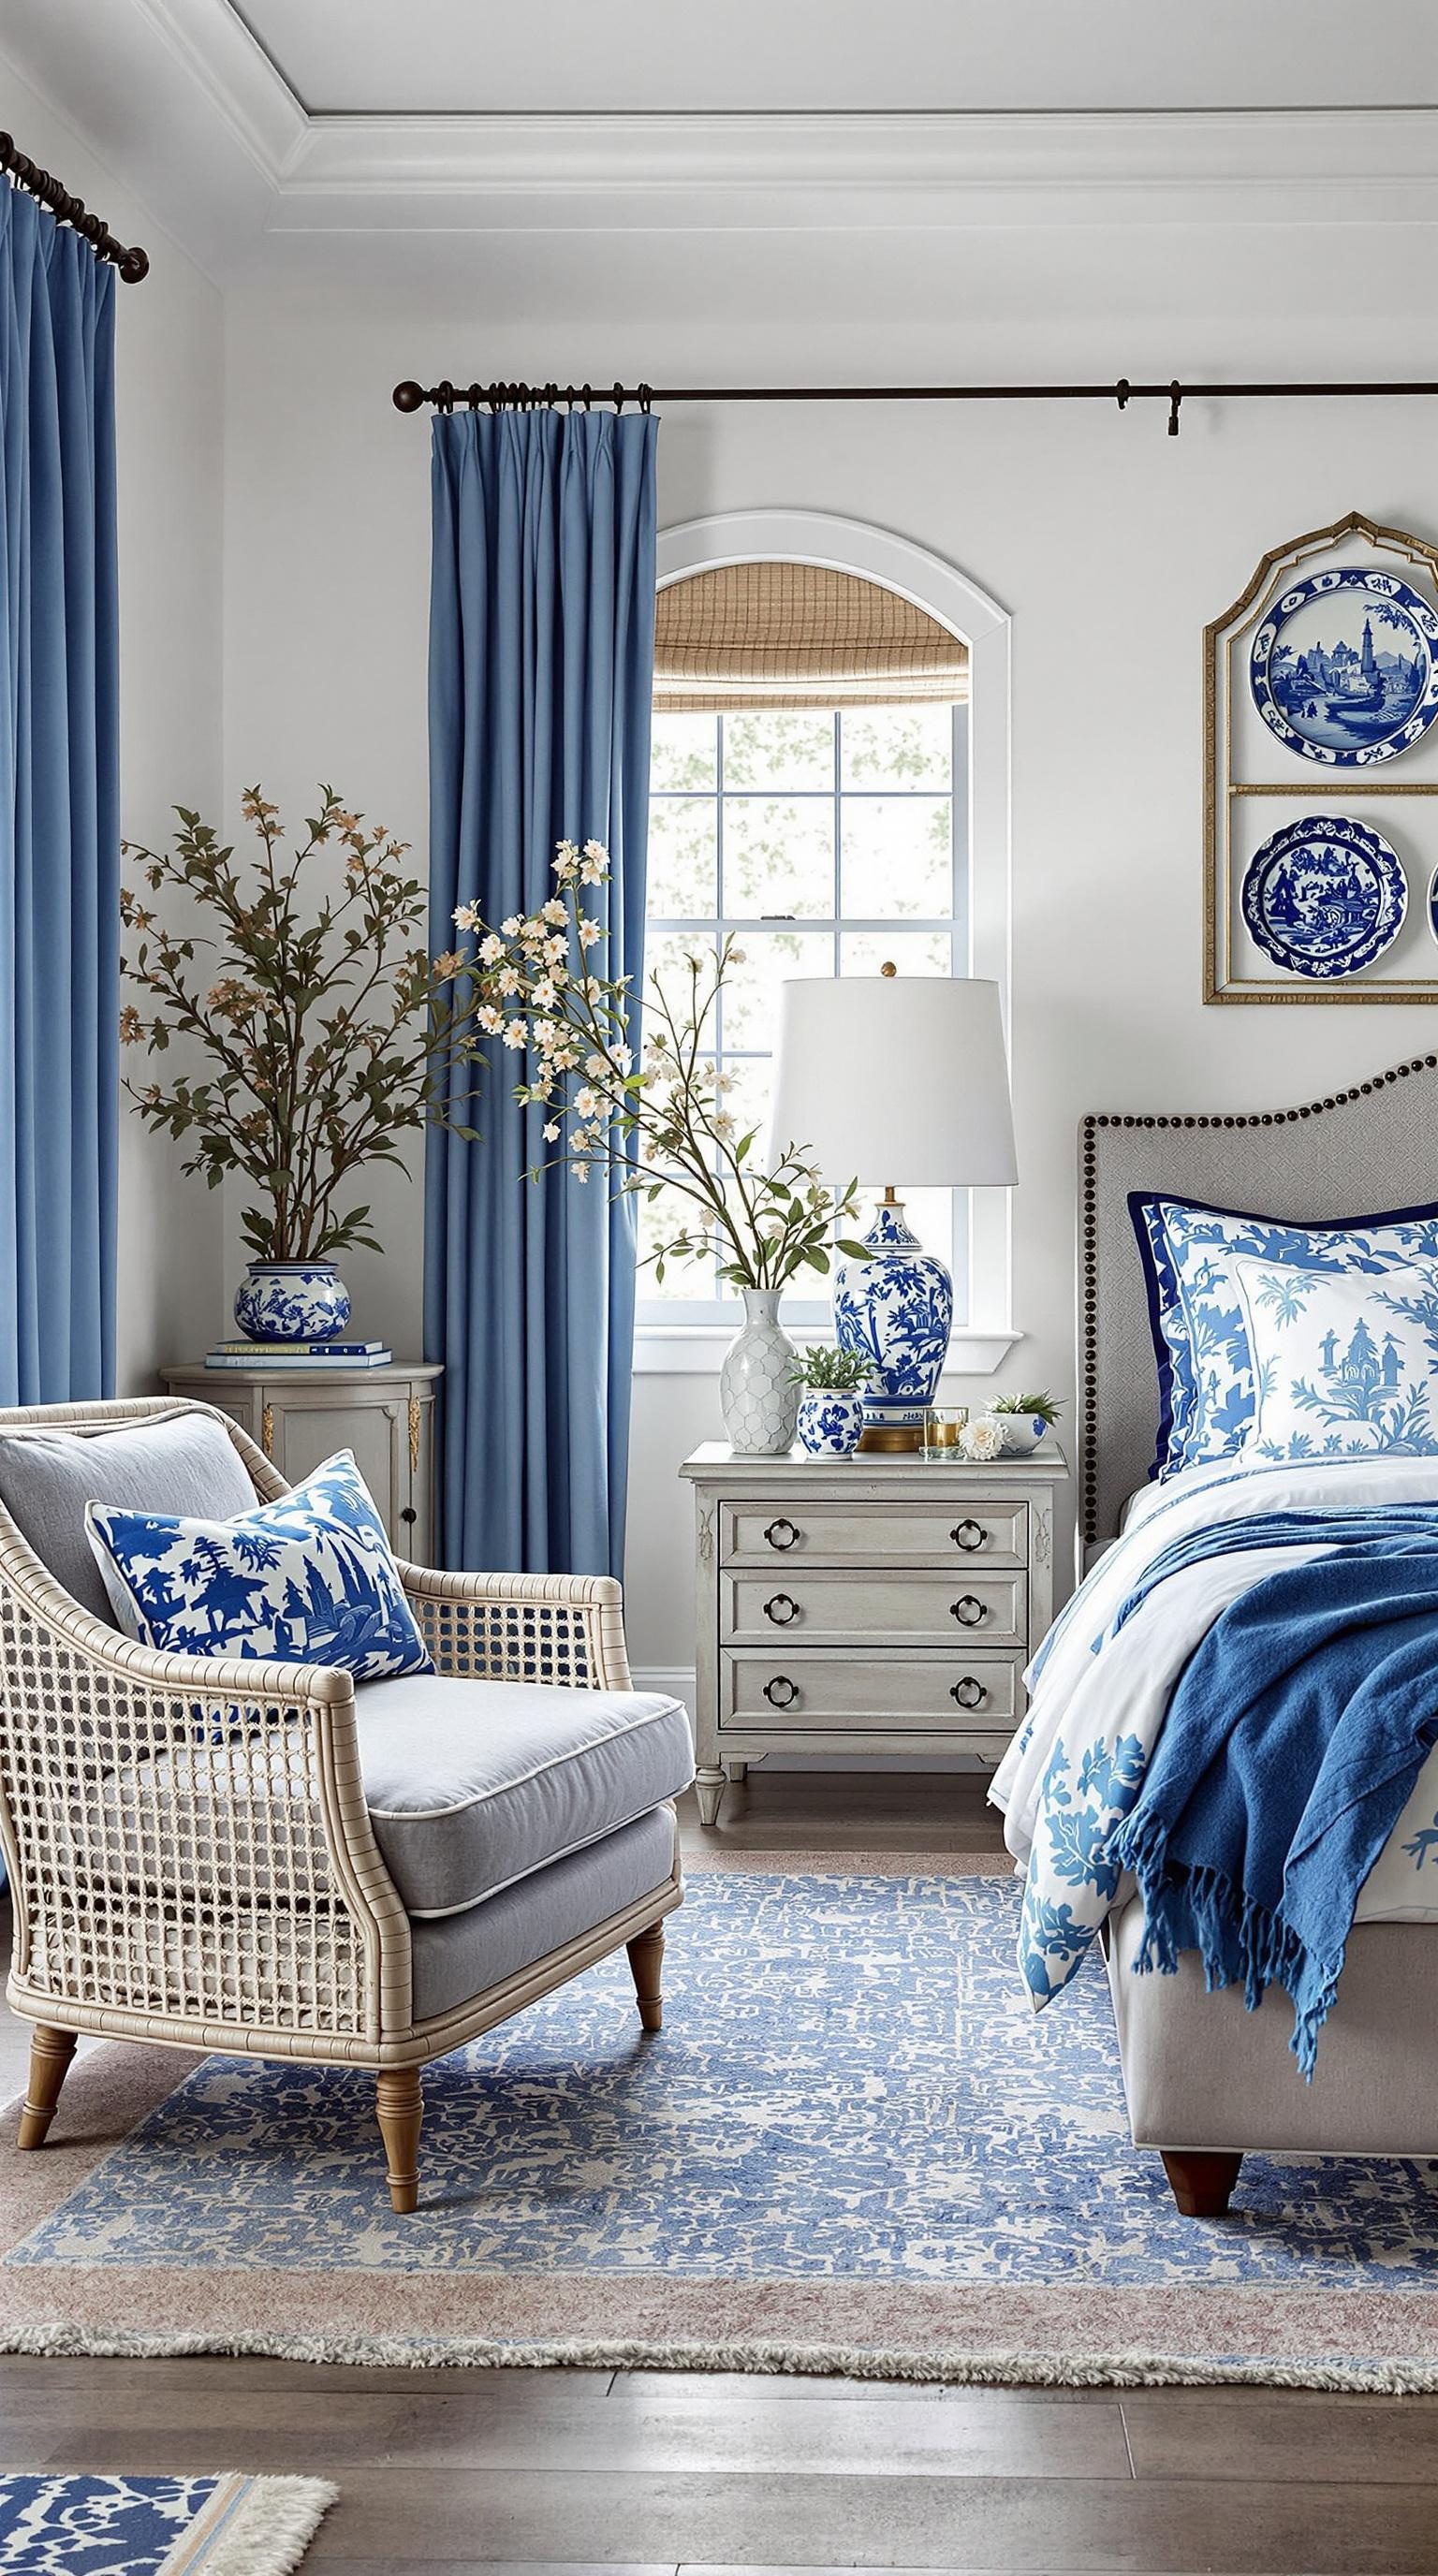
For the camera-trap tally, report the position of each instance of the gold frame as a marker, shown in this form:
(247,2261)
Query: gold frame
(1217,854)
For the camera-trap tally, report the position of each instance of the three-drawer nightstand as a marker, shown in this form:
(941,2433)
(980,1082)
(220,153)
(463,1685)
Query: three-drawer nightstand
(865,1605)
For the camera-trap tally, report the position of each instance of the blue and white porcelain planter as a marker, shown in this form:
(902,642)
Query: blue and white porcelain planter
(292,1301)
(830,1421)
(1022,1432)
(896,1308)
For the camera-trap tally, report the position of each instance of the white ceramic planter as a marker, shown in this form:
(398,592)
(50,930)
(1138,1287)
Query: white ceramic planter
(757,1395)
(1023,1433)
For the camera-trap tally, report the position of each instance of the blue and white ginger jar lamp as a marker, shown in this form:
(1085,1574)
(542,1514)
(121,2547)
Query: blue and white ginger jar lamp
(881,1077)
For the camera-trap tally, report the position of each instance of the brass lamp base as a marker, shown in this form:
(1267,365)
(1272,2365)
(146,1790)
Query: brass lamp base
(892,1437)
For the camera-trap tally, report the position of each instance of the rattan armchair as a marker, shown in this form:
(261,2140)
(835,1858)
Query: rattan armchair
(233,1896)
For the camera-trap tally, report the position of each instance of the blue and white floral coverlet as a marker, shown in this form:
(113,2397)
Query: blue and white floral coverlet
(1101,1684)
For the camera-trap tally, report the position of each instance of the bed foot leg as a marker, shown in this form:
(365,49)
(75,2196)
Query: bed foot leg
(1201,2183)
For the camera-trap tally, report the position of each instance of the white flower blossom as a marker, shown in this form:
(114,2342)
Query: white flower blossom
(543,995)
(491,949)
(490,1019)
(581,1171)
(587,1102)
(465,916)
(551,1131)
(596,1067)
(512,927)
(589,932)
(516,1035)
(554,911)
(508,979)
(983,1439)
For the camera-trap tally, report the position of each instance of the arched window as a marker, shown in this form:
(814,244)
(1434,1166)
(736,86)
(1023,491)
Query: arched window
(811,794)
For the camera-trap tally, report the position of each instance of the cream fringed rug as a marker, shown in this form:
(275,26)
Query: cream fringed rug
(852,2148)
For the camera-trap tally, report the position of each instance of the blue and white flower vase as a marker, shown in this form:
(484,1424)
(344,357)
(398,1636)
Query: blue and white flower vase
(830,1421)
(1022,1432)
(757,1393)
(896,1309)
(292,1301)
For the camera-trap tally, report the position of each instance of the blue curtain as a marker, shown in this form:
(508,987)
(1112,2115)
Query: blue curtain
(541,668)
(59,812)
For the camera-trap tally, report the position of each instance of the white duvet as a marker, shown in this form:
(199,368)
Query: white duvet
(1099,1699)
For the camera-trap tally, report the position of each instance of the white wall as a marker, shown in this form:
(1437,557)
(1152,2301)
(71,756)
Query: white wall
(1111,545)
(169,427)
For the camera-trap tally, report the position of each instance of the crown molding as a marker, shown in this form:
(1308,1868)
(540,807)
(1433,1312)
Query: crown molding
(210,41)
(421,172)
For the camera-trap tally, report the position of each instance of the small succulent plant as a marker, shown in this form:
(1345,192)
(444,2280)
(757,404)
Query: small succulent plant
(1045,1406)
(823,1364)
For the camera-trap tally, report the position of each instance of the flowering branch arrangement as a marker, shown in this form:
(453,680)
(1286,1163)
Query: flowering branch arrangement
(663,1128)
(325,1024)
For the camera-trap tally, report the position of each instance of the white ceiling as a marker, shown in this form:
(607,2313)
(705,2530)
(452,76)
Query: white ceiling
(455,57)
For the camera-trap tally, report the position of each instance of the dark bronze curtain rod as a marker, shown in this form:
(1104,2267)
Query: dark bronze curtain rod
(37,183)
(410,397)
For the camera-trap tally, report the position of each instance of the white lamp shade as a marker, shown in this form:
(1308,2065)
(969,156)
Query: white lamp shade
(895,1079)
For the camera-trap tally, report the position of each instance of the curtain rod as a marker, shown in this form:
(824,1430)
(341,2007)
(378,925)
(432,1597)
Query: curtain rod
(410,397)
(132,264)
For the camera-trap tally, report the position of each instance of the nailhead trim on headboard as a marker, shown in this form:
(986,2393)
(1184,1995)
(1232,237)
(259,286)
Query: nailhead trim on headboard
(1088,1240)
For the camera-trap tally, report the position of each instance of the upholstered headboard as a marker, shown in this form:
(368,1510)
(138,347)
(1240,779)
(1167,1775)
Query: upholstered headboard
(1356,1153)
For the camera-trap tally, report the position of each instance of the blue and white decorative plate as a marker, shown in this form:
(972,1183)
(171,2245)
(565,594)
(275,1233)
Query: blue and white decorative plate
(1344,669)
(1324,897)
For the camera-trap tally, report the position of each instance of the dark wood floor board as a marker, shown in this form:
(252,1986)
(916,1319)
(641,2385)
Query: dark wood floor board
(898,1811)
(1349,2443)
(458,2433)
(1020,2526)
(217,2371)
(700,2388)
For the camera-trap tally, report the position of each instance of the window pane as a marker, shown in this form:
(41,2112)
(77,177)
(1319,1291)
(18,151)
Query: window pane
(914,952)
(750,1088)
(751,988)
(931,1217)
(780,749)
(684,754)
(683,1280)
(898,747)
(778,857)
(683,880)
(897,856)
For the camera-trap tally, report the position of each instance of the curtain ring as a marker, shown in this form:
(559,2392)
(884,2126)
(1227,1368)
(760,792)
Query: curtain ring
(646,398)
(1175,397)
(473,397)
(495,398)
(1121,393)
(444,395)
(618,398)
(586,395)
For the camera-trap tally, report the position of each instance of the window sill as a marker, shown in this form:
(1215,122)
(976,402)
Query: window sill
(696,1350)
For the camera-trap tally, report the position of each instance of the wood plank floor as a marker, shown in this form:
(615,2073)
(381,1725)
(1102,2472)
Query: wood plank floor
(529,2473)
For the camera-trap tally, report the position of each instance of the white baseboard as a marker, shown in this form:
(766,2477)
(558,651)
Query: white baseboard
(676,1681)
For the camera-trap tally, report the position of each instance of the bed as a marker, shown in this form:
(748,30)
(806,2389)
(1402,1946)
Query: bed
(1205,2079)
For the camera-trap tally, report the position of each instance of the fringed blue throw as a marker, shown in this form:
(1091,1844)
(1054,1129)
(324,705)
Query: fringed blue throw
(1289,1750)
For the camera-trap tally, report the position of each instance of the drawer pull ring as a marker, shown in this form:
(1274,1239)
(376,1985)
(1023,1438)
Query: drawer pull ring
(968,1535)
(969,1610)
(781,1692)
(781,1610)
(968,1693)
(781,1534)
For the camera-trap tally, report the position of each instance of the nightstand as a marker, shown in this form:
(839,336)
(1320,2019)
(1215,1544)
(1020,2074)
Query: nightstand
(301,1416)
(865,1605)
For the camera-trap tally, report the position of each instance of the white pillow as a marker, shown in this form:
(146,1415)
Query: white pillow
(1345,1365)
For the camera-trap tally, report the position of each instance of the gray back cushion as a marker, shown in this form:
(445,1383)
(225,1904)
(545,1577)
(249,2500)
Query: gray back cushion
(184,1466)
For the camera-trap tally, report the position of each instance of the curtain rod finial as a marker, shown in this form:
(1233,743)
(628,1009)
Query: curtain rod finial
(409,396)
(134,266)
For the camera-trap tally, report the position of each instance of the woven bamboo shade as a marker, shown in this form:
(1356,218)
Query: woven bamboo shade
(755,635)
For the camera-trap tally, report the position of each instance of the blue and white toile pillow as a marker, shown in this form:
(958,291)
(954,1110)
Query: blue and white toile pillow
(1200,1330)
(306,1580)
(1345,1365)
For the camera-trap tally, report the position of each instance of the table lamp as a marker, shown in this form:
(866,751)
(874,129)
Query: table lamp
(895,1080)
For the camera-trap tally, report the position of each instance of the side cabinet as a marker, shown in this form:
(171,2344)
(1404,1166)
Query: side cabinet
(300,1417)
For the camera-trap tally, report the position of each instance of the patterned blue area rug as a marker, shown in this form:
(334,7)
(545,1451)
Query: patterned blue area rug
(853,2145)
(140,2526)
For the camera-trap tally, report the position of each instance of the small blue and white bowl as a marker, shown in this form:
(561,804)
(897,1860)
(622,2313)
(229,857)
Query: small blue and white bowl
(1022,1432)
(292,1301)
(830,1422)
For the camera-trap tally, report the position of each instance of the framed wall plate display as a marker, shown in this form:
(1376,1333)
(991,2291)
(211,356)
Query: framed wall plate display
(1321,774)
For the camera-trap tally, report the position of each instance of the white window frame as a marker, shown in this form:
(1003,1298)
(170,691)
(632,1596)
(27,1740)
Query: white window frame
(945,593)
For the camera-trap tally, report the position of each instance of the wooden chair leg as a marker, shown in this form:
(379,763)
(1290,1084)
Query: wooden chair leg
(646,1958)
(50,2055)
(399,2105)
(1201,2183)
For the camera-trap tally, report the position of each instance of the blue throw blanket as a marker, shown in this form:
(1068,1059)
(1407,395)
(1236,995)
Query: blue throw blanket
(1290,1748)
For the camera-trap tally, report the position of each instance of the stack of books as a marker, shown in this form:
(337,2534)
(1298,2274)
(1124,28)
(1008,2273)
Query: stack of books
(298,1355)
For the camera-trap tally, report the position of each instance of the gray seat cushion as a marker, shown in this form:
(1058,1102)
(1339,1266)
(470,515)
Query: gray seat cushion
(186,1466)
(471,1785)
(464,1954)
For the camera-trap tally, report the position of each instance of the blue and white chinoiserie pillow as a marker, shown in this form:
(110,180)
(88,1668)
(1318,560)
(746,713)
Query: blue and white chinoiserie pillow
(1344,1364)
(306,1580)
(1196,1312)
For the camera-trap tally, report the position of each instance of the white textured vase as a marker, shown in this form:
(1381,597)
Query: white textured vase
(757,1393)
